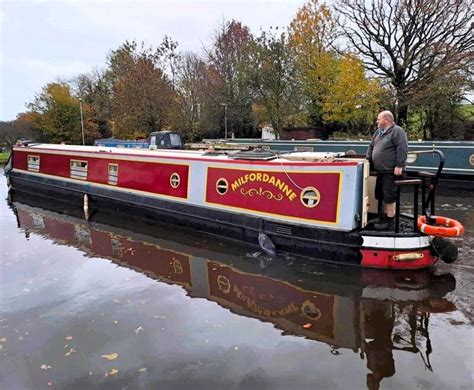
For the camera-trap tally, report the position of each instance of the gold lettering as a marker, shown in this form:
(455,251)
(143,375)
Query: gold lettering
(252,177)
(272,180)
(292,196)
(259,177)
(280,184)
(265,177)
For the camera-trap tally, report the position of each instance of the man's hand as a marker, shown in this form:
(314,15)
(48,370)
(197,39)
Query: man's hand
(398,171)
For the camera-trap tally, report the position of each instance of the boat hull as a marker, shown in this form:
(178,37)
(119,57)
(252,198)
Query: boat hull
(330,246)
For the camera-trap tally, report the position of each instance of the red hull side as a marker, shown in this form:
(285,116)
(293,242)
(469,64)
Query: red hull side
(381,258)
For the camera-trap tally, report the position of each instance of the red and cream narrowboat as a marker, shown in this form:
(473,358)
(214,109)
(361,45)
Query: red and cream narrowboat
(310,204)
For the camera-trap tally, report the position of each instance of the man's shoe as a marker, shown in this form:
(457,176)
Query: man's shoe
(387,224)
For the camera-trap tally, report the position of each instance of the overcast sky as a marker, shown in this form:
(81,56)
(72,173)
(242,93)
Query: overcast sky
(44,40)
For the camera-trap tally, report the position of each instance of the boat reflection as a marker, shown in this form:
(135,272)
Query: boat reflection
(371,312)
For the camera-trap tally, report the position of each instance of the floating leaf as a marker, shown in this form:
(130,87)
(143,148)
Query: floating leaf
(68,337)
(46,367)
(70,352)
(142,369)
(113,371)
(307,325)
(139,329)
(3,340)
(111,356)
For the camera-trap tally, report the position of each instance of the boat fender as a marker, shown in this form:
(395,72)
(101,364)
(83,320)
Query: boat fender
(447,251)
(443,227)
(266,244)
(86,207)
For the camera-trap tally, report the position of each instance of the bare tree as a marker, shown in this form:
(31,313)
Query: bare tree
(410,43)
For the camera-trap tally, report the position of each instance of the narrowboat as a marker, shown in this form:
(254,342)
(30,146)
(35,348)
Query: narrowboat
(459,155)
(318,205)
(369,312)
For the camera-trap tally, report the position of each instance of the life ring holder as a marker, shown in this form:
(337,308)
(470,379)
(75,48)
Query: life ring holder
(443,226)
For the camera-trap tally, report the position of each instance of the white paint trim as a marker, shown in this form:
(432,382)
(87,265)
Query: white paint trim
(396,242)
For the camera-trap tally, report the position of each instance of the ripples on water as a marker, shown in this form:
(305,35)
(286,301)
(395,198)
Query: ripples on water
(127,304)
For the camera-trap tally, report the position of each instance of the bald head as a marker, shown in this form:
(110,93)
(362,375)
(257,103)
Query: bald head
(385,120)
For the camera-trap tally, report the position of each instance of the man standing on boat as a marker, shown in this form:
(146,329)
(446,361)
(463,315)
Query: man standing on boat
(387,154)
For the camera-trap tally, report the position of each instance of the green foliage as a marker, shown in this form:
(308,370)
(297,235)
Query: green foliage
(56,114)
(271,73)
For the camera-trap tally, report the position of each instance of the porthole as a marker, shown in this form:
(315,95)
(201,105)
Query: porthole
(175,180)
(222,186)
(411,158)
(351,152)
(471,159)
(310,197)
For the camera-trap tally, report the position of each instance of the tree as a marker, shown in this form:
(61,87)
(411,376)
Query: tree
(190,84)
(352,98)
(20,128)
(313,32)
(56,115)
(228,86)
(96,93)
(142,95)
(411,43)
(271,72)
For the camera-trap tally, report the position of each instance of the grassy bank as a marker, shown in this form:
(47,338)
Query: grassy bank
(4,157)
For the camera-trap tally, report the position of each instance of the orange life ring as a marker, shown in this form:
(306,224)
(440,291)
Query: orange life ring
(444,227)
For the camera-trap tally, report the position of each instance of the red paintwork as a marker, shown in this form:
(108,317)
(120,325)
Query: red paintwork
(264,297)
(326,183)
(136,175)
(384,259)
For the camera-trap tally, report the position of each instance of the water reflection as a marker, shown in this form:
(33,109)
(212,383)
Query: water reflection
(371,312)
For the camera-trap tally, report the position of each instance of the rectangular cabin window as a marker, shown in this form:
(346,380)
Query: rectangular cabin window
(304,149)
(113,174)
(34,163)
(79,169)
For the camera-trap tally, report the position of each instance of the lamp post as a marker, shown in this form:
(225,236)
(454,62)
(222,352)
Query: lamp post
(225,119)
(82,120)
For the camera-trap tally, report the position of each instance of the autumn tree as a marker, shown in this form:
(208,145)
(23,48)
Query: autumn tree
(410,43)
(21,128)
(142,95)
(56,114)
(352,98)
(191,73)
(96,94)
(228,87)
(313,31)
(271,73)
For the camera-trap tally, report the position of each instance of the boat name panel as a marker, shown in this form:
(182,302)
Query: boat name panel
(295,194)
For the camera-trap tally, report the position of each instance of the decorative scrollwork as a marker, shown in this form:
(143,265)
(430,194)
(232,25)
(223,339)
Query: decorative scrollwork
(260,192)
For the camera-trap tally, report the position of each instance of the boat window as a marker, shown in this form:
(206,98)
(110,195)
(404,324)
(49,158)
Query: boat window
(153,140)
(310,197)
(351,152)
(113,174)
(175,180)
(175,139)
(222,186)
(33,163)
(79,169)
(471,159)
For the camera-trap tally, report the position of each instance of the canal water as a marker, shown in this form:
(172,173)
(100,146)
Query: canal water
(116,303)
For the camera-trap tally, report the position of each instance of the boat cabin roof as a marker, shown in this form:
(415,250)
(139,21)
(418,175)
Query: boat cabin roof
(209,154)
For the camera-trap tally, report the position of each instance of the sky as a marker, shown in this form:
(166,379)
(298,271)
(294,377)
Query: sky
(43,40)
